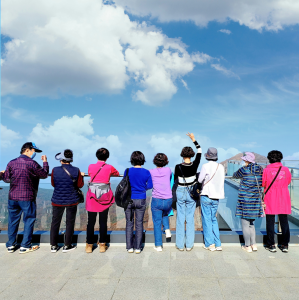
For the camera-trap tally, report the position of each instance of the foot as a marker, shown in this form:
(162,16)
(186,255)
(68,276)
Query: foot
(11,249)
(88,248)
(180,249)
(54,249)
(189,249)
(284,249)
(247,249)
(27,250)
(167,233)
(158,249)
(103,247)
(137,251)
(254,248)
(211,247)
(130,250)
(271,248)
(219,248)
(68,248)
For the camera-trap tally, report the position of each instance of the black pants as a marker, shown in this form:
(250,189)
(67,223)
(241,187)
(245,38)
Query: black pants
(137,208)
(270,221)
(103,218)
(70,223)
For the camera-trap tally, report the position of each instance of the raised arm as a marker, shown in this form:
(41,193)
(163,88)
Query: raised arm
(199,151)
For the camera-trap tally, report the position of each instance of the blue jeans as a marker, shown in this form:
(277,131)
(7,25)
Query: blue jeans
(185,212)
(15,210)
(160,211)
(209,221)
(137,209)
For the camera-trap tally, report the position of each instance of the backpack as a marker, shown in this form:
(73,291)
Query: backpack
(123,192)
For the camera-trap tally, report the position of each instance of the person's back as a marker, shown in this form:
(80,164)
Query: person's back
(161,182)
(104,175)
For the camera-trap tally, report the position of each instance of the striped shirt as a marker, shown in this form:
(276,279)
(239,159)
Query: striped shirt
(189,170)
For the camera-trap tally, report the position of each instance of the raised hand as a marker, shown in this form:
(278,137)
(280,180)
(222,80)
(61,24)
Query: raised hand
(44,158)
(191,136)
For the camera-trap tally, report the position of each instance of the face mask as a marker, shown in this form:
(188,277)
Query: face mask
(33,155)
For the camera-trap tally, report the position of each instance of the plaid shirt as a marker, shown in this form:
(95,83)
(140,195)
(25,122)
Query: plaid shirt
(23,174)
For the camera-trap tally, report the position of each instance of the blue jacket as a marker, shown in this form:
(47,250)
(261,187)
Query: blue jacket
(65,192)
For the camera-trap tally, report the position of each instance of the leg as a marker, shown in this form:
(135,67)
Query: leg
(246,231)
(92,216)
(206,215)
(270,220)
(285,229)
(57,213)
(29,217)
(181,217)
(215,227)
(166,209)
(103,219)
(157,220)
(70,224)
(14,216)
(139,215)
(190,226)
(129,212)
(252,232)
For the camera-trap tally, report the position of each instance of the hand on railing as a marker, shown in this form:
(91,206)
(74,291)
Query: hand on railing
(83,174)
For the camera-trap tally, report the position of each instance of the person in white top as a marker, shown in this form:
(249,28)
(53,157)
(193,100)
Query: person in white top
(212,176)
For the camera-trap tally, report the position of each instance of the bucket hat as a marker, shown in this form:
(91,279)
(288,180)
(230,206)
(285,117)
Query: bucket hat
(249,157)
(212,153)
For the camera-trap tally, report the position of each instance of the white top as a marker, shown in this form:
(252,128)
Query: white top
(214,189)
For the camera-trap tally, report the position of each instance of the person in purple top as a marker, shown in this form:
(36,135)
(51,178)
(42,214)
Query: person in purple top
(161,198)
(23,174)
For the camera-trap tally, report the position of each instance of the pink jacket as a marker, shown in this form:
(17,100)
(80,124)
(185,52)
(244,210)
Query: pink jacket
(277,200)
(103,177)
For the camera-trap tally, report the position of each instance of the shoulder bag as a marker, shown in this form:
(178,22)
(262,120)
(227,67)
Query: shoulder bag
(77,190)
(123,192)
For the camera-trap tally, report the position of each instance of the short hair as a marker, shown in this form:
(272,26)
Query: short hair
(102,154)
(275,156)
(213,159)
(26,146)
(160,160)
(137,158)
(187,152)
(68,154)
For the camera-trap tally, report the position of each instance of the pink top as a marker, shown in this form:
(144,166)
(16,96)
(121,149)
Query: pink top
(277,200)
(103,177)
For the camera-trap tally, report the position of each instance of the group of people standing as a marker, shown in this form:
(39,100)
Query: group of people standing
(24,173)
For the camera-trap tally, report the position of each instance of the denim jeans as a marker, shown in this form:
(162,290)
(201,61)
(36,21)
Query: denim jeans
(15,210)
(185,212)
(137,209)
(160,211)
(209,221)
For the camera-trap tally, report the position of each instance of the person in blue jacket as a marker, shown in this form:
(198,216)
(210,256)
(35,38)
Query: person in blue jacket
(140,181)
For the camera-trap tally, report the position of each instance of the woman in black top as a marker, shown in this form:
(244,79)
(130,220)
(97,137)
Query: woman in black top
(186,175)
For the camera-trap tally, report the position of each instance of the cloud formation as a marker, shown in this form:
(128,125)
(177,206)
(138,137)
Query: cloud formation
(255,14)
(226,31)
(8,137)
(225,71)
(56,50)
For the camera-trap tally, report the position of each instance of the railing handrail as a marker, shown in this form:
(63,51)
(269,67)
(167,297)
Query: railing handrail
(262,164)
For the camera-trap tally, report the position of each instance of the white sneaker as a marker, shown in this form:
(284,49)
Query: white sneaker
(167,233)
(189,249)
(137,251)
(158,249)
(211,248)
(130,250)
(218,248)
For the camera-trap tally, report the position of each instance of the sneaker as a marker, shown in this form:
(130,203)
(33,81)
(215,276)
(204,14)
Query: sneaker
(211,248)
(54,249)
(167,233)
(284,249)
(219,248)
(26,250)
(68,248)
(189,249)
(271,248)
(254,248)
(137,251)
(247,249)
(130,250)
(11,249)
(180,249)
(158,249)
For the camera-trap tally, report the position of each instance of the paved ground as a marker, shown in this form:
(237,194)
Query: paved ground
(199,274)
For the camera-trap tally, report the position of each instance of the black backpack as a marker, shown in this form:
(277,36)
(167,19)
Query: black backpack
(123,192)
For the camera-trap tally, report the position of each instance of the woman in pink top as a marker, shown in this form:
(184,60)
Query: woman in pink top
(277,200)
(99,173)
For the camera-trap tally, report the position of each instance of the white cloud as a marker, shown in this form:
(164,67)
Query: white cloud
(225,71)
(256,14)
(294,156)
(85,47)
(225,31)
(185,85)
(8,137)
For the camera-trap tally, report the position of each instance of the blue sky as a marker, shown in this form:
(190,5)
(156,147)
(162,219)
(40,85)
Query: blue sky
(235,86)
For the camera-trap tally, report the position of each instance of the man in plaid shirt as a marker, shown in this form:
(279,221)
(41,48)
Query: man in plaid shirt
(23,174)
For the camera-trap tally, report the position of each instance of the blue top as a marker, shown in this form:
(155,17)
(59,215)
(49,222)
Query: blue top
(141,181)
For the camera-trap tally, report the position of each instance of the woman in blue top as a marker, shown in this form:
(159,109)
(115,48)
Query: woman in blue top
(141,181)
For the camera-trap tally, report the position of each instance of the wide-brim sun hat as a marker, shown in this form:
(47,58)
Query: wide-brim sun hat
(212,153)
(249,156)
(60,156)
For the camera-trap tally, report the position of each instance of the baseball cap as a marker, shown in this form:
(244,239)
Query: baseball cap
(30,145)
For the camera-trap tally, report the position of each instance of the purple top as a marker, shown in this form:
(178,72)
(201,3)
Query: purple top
(23,174)
(161,181)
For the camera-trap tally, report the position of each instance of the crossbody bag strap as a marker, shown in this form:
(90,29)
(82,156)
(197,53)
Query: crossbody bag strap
(212,176)
(273,181)
(97,172)
(68,173)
